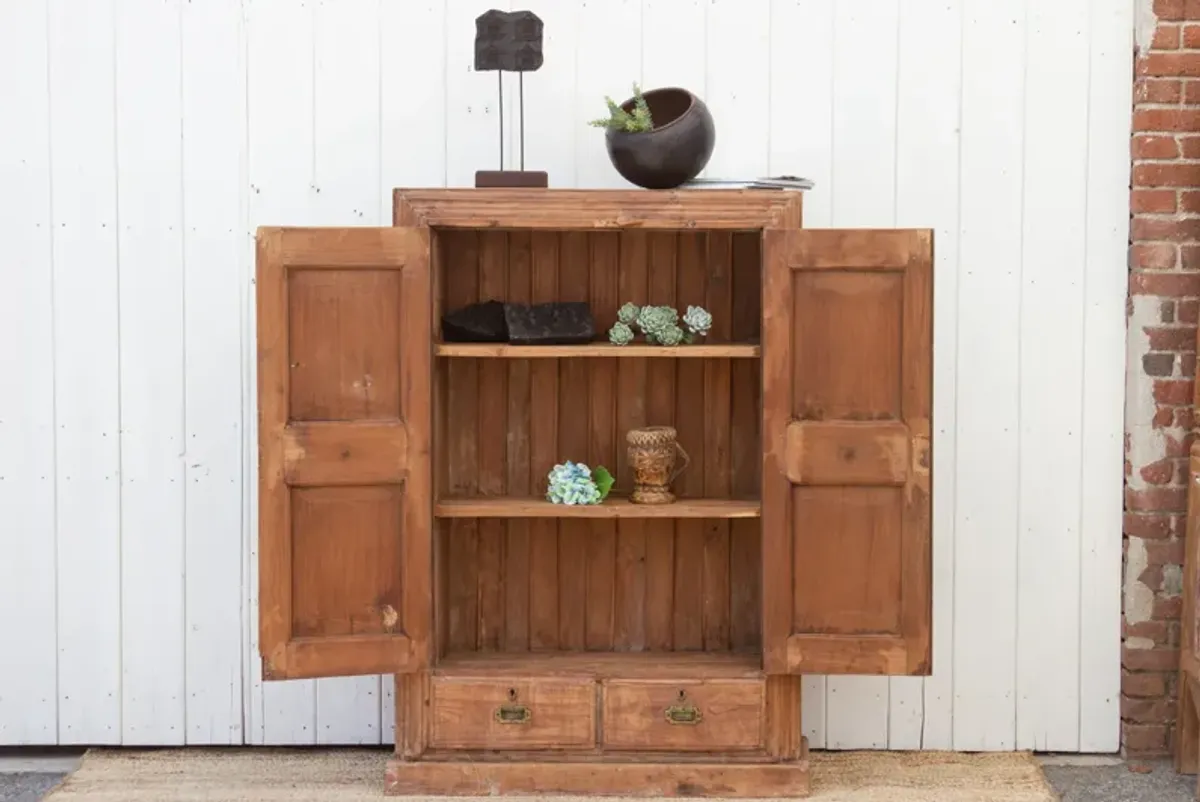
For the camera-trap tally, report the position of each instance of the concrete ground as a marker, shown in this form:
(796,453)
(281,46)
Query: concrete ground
(28,775)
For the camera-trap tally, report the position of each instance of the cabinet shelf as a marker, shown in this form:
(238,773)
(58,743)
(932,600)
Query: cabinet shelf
(640,665)
(606,350)
(510,507)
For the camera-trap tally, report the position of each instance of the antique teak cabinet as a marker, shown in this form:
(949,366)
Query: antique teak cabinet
(619,648)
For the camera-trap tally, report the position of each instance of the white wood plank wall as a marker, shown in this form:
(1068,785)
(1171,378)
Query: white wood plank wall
(144,140)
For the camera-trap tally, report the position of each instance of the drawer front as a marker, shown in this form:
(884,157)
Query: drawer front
(701,715)
(519,714)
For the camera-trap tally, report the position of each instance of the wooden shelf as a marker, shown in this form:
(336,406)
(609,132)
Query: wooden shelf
(627,665)
(608,350)
(509,507)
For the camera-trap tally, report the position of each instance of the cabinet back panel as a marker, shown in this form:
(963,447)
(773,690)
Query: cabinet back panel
(544,584)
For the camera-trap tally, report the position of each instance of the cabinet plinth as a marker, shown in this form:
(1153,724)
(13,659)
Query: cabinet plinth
(614,649)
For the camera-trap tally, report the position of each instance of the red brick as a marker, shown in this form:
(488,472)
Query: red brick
(1156,499)
(1166,285)
(1169,64)
(1148,526)
(1166,120)
(1190,145)
(1145,740)
(1166,311)
(1158,90)
(1187,365)
(1188,311)
(1176,392)
(1143,685)
(1191,35)
(1157,631)
(1169,10)
(1171,338)
(1147,711)
(1154,256)
(1163,417)
(1158,364)
(1155,146)
(1158,473)
(1189,202)
(1149,659)
(1165,228)
(1189,257)
(1167,37)
(1185,418)
(1168,609)
(1166,175)
(1153,201)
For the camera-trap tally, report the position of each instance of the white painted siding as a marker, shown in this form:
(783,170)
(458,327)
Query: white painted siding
(144,140)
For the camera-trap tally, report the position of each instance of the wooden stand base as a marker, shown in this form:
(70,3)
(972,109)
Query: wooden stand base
(627,778)
(511,179)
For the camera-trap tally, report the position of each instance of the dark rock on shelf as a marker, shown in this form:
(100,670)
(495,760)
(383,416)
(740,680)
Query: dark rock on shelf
(476,323)
(559,323)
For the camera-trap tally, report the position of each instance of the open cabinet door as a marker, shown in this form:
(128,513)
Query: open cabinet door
(847,391)
(345,504)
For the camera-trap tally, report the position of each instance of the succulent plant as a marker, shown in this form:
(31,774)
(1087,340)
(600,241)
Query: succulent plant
(573,483)
(654,319)
(620,334)
(669,335)
(697,320)
(628,314)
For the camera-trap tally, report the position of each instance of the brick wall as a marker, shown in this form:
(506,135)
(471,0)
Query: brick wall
(1164,288)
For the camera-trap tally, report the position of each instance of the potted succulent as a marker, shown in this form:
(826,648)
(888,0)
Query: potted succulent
(660,139)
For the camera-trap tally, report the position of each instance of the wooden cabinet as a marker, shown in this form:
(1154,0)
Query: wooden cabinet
(619,648)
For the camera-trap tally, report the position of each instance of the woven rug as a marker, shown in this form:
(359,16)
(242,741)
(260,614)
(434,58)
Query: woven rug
(356,775)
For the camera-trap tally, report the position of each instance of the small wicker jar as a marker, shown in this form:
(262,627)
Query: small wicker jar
(652,453)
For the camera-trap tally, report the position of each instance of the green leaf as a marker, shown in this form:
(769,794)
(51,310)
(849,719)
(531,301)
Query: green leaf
(603,479)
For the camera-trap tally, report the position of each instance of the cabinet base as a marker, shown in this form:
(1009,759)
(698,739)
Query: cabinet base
(474,778)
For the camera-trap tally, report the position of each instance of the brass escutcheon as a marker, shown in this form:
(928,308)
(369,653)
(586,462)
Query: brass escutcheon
(682,712)
(513,713)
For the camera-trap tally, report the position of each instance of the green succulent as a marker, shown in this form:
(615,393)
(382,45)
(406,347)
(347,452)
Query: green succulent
(669,335)
(620,334)
(628,314)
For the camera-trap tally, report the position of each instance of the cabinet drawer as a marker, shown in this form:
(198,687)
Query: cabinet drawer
(519,714)
(703,715)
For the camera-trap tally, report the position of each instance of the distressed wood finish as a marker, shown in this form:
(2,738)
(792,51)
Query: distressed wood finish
(598,578)
(343,450)
(847,346)
(745,210)
(620,648)
(673,777)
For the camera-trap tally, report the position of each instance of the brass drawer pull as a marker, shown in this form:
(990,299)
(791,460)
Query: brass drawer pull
(683,713)
(513,713)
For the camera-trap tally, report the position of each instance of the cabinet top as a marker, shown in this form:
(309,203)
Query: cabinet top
(730,209)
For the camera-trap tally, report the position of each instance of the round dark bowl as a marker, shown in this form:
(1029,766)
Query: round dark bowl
(675,151)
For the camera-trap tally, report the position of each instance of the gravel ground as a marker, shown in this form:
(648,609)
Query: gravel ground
(28,778)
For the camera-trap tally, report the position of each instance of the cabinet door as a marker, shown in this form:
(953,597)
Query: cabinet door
(847,390)
(345,506)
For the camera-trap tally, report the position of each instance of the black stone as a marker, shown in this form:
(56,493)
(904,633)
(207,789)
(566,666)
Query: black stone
(476,323)
(508,41)
(561,323)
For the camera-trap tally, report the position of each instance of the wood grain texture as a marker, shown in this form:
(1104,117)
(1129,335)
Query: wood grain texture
(637,714)
(620,778)
(612,576)
(847,415)
(542,713)
(344,448)
(596,209)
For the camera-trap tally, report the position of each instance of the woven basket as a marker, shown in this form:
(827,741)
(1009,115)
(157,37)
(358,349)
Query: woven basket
(652,453)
